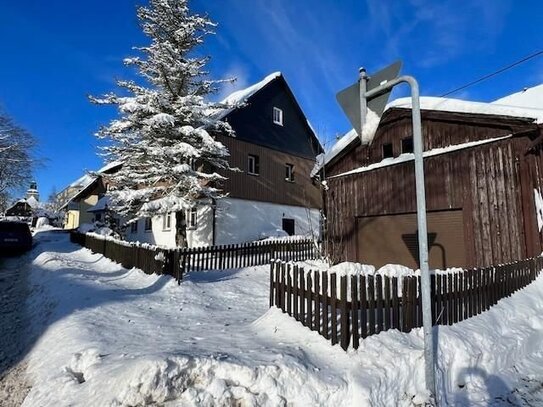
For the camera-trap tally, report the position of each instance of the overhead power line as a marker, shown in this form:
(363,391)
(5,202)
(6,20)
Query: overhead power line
(499,71)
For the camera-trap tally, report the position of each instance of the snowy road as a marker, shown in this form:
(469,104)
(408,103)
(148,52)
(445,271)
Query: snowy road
(15,337)
(102,335)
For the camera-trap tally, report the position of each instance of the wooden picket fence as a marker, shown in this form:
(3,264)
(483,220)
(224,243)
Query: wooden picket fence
(367,305)
(176,262)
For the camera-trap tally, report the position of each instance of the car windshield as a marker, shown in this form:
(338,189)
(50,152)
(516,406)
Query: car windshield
(13,227)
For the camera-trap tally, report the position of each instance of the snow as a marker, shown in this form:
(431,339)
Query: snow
(101,204)
(273,234)
(109,336)
(42,222)
(242,95)
(86,227)
(429,153)
(464,106)
(239,97)
(529,107)
(528,97)
(538,200)
(370,126)
(109,166)
(83,181)
(34,204)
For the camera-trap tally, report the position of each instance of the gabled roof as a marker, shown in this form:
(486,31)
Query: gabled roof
(89,180)
(241,99)
(496,109)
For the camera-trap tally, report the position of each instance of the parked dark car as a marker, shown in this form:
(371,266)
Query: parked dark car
(15,237)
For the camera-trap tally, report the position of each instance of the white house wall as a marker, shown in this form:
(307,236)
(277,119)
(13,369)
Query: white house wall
(237,221)
(157,235)
(202,235)
(240,220)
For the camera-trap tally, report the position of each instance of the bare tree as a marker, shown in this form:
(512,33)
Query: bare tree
(16,161)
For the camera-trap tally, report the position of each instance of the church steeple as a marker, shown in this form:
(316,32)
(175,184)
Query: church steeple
(33,191)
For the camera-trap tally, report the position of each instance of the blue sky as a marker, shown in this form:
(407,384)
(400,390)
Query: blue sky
(55,53)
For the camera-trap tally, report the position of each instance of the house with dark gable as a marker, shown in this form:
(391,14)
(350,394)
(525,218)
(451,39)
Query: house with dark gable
(483,167)
(271,193)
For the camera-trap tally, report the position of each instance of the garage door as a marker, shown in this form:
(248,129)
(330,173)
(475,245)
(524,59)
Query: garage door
(393,239)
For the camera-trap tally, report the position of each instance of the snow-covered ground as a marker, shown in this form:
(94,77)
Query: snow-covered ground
(108,336)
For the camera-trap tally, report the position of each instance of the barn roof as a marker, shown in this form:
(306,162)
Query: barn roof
(528,97)
(497,108)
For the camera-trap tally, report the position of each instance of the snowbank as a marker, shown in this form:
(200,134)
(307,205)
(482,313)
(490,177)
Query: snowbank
(117,337)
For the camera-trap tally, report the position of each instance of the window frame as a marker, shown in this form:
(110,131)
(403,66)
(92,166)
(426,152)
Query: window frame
(134,227)
(192,218)
(148,225)
(405,139)
(387,145)
(256,164)
(289,174)
(277,116)
(167,221)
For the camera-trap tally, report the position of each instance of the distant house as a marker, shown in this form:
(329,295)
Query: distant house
(484,178)
(28,206)
(274,149)
(21,208)
(83,194)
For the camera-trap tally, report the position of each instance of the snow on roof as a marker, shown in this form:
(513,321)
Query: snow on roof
(33,202)
(100,205)
(109,166)
(528,98)
(464,106)
(82,181)
(429,153)
(242,95)
(239,97)
(457,106)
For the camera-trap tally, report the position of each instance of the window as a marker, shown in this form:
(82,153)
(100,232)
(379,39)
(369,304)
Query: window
(253,165)
(278,116)
(97,217)
(289,172)
(167,221)
(148,224)
(388,150)
(192,218)
(288,226)
(407,145)
(134,227)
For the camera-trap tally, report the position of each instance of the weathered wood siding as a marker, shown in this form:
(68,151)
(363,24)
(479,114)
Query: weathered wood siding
(440,129)
(270,185)
(492,184)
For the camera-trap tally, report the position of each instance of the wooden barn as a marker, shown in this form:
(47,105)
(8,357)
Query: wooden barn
(484,172)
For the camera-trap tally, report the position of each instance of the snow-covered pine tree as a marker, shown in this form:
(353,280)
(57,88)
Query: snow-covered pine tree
(162,137)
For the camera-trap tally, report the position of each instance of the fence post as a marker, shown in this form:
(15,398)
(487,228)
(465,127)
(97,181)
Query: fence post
(317,302)
(371,305)
(309,302)
(405,305)
(354,311)
(325,305)
(333,300)
(272,265)
(344,314)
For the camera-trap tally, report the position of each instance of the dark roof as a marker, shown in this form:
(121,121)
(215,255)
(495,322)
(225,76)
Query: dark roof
(253,122)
